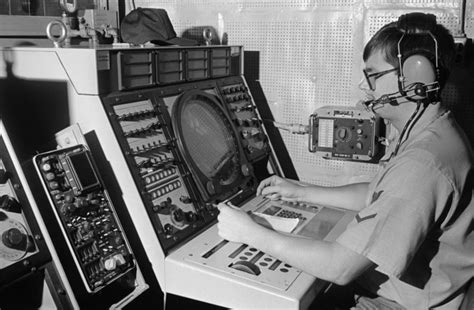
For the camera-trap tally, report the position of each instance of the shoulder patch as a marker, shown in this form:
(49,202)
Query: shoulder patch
(361,219)
(376,196)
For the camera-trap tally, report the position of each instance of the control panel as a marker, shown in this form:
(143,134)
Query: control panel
(160,174)
(85,215)
(22,247)
(346,133)
(176,131)
(178,179)
(243,111)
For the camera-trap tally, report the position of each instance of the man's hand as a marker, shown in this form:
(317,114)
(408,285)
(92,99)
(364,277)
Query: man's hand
(276,187)
(235,225)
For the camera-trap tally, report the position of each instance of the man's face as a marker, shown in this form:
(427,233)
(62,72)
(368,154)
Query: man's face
(383,81)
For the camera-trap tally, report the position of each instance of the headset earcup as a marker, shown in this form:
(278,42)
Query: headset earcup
(418,70)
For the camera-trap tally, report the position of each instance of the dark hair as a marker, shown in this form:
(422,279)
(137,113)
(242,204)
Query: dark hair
(386,41)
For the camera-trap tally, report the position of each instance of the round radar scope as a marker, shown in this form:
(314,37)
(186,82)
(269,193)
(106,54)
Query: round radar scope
(208,142)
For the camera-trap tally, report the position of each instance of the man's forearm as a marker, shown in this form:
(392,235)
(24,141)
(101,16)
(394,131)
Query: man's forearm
(312,256)
(351,197)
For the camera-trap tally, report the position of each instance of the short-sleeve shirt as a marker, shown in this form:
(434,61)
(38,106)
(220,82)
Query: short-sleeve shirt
(418,220)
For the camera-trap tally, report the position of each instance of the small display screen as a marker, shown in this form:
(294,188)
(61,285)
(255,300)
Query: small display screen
(272,210)
(83,170)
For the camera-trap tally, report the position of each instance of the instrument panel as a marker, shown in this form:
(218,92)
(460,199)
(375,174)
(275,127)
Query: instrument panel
(85,215)
(348,133)
(189,147)
(146,113)
(22,247)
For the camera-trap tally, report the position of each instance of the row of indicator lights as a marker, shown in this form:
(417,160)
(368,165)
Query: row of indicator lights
(160,175)
(166,189)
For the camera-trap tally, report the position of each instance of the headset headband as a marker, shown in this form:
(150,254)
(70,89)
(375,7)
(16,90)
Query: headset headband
(416,23)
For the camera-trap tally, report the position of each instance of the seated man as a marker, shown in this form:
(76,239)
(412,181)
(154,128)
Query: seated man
(411,244)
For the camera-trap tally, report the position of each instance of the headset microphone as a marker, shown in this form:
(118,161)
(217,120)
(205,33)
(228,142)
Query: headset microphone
(414,93)
(384,99)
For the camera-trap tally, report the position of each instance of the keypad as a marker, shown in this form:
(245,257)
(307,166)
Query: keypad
(291,214)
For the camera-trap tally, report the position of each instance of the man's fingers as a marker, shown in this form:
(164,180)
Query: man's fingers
(221,205)
(270,190)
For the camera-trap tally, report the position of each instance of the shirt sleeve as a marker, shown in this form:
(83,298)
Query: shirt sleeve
(403,206)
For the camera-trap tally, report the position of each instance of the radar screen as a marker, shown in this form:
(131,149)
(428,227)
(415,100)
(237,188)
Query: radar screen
(209,144)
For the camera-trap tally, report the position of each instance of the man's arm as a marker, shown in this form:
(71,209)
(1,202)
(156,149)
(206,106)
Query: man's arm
(350,197)
(329,261)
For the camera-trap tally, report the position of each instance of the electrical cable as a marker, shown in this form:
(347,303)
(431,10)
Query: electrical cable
(409,126)
(293,128)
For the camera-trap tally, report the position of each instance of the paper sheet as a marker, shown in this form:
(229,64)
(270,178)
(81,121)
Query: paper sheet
(286,225)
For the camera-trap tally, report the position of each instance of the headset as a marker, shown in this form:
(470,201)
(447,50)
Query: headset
(419,73)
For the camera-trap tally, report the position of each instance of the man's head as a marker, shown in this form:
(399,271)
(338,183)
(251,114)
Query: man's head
(416,50)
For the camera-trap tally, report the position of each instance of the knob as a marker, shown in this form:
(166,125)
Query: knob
(165,203)
(178,215)
(46,167)
(108,227)
(190,216)
(69,197)
(68,208)
(119,259)
(4,176)
(168,229)
(53,185)
(10,204)
(210,188)
(110,264)
(87,227)
(50,176)
(14,239)
(342,133)
(185,199)
(116,240)
(246,169)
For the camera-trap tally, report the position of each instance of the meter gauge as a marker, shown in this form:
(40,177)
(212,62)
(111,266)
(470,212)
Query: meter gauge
(14,242)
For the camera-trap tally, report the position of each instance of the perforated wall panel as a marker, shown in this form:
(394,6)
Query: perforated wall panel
(310,56)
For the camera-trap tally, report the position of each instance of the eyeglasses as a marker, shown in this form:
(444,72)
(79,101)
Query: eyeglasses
(371,77)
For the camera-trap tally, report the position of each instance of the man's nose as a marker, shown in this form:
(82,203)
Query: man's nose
(363,85)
